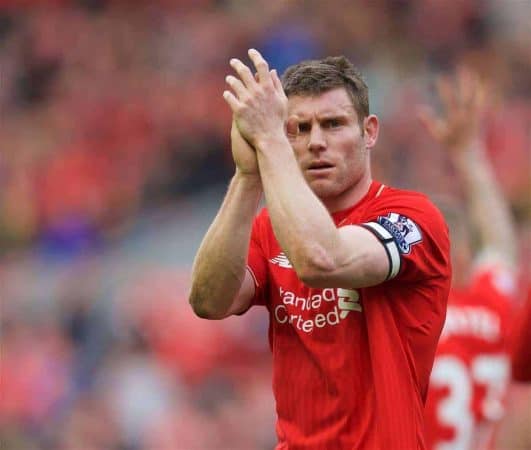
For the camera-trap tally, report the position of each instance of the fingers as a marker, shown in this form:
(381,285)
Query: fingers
(447,94)
(263,75)
(277,83)
(243,72)
(292,127)
(465,93)
(480,94)
(435,126)
(262,68)
(465,85)
(236,85)
(462,98)
(248,81)
(231,99)
(472,89)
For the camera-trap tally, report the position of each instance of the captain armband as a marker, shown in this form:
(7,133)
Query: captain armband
(390,246)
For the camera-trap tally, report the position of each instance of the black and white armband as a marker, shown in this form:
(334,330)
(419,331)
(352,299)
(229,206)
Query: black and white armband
(390,246)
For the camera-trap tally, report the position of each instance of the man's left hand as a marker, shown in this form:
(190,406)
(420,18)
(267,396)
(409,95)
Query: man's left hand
(258,102)
(463,101)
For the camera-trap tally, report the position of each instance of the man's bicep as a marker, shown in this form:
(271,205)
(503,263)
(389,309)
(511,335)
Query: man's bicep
(369,263)
(245,296)
(416,241)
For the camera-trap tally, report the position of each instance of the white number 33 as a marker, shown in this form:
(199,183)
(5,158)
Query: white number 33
(455,410)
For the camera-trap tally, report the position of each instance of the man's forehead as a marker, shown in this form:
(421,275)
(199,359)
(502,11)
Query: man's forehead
(333,102)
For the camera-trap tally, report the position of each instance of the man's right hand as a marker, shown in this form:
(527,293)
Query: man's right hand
(243,154)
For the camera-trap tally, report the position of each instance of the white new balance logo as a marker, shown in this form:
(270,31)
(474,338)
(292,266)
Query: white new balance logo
(282,261)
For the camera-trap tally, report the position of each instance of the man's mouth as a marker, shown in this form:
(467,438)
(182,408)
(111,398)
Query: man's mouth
(320,165)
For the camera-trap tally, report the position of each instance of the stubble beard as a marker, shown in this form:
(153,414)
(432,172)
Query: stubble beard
(329,189)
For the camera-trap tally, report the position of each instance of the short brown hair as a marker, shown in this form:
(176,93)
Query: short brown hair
(314,77)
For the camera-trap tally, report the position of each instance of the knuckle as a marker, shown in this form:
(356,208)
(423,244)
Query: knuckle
(247,103)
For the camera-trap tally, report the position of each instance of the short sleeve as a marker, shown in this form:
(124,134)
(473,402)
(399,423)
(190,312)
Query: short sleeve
(414,234)
(496,274)
(257,263)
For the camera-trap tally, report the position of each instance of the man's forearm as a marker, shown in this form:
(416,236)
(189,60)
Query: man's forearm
(219,266)
(488,209)
(302,224)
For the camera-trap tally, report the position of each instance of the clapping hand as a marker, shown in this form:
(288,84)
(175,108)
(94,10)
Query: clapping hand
(258,102)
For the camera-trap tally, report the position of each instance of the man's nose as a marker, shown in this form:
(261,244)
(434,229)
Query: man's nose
(317,142)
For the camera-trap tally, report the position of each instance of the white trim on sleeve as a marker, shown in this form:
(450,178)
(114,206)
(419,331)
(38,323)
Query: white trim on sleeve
(390,247)
(253,276)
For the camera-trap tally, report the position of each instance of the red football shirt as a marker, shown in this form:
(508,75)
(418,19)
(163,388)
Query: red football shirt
(351,366)
(471,370)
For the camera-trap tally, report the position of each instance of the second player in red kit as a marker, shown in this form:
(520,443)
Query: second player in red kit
(471,372)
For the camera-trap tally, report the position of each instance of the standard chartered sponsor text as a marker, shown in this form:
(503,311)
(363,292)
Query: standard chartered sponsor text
(346,300)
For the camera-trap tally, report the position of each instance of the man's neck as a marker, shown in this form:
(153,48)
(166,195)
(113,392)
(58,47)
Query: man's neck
(350,197)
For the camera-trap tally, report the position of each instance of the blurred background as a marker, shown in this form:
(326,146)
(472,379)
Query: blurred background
(114,156)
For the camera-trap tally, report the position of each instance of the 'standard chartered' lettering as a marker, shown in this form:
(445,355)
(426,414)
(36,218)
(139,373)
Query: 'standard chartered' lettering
(291,310)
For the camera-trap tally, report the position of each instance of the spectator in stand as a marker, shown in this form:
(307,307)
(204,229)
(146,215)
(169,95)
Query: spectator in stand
(471,370)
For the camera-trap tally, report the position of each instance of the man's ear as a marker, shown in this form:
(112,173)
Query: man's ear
(371,127)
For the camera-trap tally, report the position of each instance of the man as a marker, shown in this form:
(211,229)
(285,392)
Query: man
(356,306)
(471,370)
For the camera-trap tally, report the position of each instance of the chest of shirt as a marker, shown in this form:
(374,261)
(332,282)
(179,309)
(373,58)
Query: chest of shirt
(308,310)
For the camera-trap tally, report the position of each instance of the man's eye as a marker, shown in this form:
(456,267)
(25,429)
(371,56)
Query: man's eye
(332,123)
(304,127)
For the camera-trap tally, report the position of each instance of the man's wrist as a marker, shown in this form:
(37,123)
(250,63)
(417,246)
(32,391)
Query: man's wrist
(467,154)
(250,179)
(272,141)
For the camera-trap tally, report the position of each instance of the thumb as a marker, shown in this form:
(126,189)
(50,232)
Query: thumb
(234,126)
(292,127)
(431,123)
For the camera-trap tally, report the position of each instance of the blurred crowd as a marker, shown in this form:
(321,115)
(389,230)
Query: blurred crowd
(111,112)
